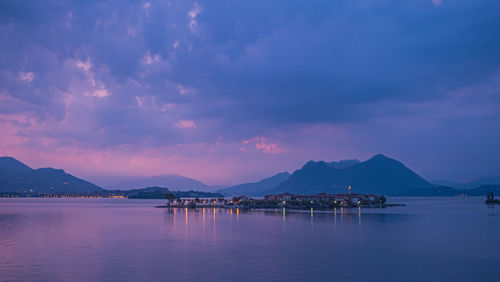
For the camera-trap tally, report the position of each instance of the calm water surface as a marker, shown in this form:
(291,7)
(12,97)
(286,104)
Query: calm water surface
(431,239)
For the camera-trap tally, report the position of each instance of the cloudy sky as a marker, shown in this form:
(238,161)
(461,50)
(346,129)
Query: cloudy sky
(231,91)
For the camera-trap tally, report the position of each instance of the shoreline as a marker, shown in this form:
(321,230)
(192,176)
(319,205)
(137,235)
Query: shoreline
(383,206)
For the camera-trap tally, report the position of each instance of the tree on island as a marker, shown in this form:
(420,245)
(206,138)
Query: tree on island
(382,199)
(170,196)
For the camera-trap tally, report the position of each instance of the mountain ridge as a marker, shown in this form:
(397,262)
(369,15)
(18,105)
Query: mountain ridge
(471,184)
(256,188)
(172,181)
(344,163)
(16,176)
(378,174)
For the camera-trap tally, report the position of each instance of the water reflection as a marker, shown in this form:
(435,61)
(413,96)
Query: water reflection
(346,215)
(203,218)
(359,215)
(335,215)
(131,241)
(491,210)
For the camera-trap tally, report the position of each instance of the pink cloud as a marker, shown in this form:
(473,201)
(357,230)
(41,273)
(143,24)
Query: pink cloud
(437,3)
(139,100)
(150,59)
(183,90)
(269,148)
(264,145)
(193,13)
(26,76)
(100,93)
(84,66)
(217,162)
(185,124)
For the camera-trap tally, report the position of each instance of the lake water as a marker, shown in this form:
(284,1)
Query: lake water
(431,239)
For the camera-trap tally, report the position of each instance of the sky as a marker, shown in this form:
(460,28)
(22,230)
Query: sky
(234,91)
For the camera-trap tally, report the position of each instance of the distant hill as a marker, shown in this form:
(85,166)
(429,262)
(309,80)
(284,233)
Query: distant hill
(449,191)
(218,187)
(469,185)
(256,188)
(436,190)
(483,189)
(18,177)
(159,193)
(448,183)
(174,182)
(380,175)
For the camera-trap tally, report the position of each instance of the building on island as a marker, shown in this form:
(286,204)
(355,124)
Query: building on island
(279,197)
(349,198)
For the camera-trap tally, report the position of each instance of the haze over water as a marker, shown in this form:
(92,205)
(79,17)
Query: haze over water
(431,239)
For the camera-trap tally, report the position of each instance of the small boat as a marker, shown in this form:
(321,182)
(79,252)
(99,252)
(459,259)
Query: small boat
(490,199)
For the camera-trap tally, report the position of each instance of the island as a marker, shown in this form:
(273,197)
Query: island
(321,201)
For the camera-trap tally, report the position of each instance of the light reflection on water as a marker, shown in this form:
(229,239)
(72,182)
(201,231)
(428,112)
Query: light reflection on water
(435,239)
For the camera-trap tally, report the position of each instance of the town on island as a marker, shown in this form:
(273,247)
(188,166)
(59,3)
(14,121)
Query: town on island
(320,201)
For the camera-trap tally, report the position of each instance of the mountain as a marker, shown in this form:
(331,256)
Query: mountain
(174,182)
(218,187)
(159,193)
(434,191)
(469,185)
(486,181)
(344,164)
(448,191)
(256,188)
(12,165)
(379,175)
(483,189)
(18,177)
(448,183)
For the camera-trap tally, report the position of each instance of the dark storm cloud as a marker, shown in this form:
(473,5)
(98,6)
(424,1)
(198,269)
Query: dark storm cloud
(282,61)
(306,70)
